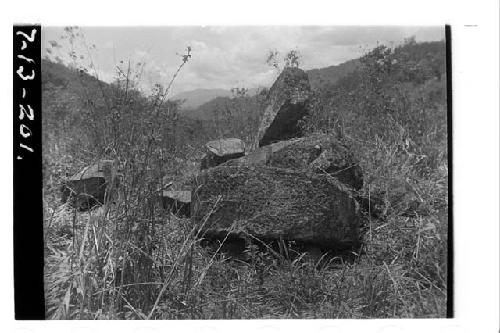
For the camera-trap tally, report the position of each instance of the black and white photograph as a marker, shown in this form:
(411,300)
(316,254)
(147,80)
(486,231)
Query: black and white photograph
(264,166)
(245,172)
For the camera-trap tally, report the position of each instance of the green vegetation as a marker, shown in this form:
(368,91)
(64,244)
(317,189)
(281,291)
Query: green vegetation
(133,260)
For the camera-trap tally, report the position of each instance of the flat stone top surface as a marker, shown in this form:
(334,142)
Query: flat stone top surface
(95,170)
(182,196)
(225,147)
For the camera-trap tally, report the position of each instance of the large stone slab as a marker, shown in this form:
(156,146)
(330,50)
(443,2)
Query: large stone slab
(272,204)
(289,99)
(220,151)
(320,153)
(91,186)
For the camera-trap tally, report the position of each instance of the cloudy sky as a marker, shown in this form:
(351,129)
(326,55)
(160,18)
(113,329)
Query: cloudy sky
(226,57)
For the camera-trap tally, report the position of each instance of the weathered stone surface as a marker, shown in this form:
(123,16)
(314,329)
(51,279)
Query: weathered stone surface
(179,202)
(321,154)
(273,203)
(288,103)
(220,151)
(260,156)
(91,186)
(318,153)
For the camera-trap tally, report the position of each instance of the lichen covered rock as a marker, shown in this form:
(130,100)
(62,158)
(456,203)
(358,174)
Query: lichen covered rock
(318,153)
(272,203)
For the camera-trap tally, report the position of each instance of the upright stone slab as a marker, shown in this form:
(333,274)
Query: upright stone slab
(288,103)
(220,151)
(272,204)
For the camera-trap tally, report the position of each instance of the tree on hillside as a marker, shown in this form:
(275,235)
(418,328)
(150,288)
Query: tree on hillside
(291,59)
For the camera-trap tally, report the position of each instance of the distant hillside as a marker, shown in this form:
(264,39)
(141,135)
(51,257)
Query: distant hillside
(330,75)
(65,93)
(318,77)
(197,97)
(201,103)
(405,86)
(61,76)
(75,102)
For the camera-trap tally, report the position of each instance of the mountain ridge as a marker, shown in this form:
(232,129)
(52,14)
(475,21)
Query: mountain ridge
(318,77)
(196,97)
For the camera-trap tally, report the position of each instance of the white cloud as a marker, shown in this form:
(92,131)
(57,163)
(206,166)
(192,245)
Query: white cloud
(108,45)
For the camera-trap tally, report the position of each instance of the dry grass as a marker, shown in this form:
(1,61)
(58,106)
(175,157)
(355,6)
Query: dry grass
(101,273)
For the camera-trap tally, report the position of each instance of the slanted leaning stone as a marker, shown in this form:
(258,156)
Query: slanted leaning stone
(289,99)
